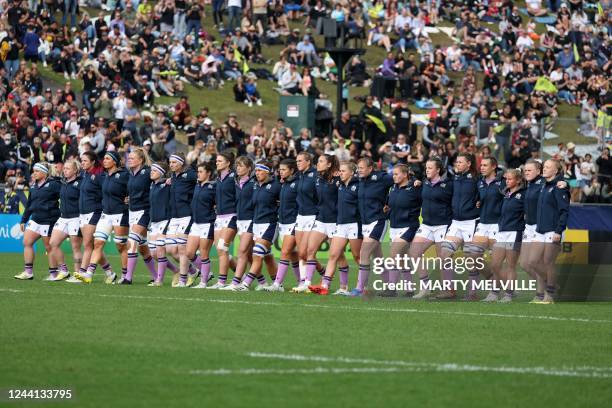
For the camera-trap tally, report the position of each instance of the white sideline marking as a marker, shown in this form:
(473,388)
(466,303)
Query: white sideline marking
(11,290)
(339,307)
(316,370)
(582,371)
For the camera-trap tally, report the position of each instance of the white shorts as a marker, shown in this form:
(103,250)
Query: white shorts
(42,230)
(268,231)
(204,231)
(529,233)
(70,226)
(178,226)
(547,237)
(286,229)
(91,218)
(487,230)
(435,233)
(135,216)
(347,231)
(405,233)
(108,221)
(157,228)
(375,230)
(463,230)
(508,240)
(305,223)
(225,221)
(243,226)
(325,228)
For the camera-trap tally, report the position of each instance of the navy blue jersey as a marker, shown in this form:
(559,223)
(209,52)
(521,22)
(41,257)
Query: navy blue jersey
(307,192)
(288,208)
(513,211)
(226,194)
(203,202)
(265,199)
(327,195)
(159,195)
(348,202)
(437,207)
(244,199)
(69,198)
(42,206)
(553,207)
(491,197)
(405,205)
(181,192)
(138,189)
(114,192)
(372,193)
(465,197)
(90,199)
(532,195)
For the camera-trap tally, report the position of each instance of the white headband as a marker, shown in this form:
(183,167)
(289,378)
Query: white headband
(177,158)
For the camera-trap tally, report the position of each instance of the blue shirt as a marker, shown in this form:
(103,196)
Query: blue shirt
(42,206)
(437,198)
(404,205)
(553,207)
(372,193)
(69,198)
(226,194)
(181,192)
(159,194)
(114,192)
(307,192)
(203,202)
(288,208)
(532,196)
(465,197)
(139,184)
(327,194)
(244,199)
(90,199)
(265,199)
(491,197)
(348,202)
(513,211)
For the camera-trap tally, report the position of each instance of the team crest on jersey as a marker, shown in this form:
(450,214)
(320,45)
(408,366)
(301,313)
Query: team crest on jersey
(469,175)
(210,186)
(92,177)
(539,181)
(310,174)
(269,186)
(46,185)
(117,175)
(518,196)
(76,183)
(353,188)
(292,185)
(443,185)
(550,189)
(184,175)
(375,177)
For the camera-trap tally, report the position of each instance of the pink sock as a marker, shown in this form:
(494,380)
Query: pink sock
(162,263)
(249,279)
(344,274)
(205,270)
(296,271)
(311,266)
(283,265)
(131,265)
(197,264)
(150,264)
(362,280)
(63,268)
(172,266)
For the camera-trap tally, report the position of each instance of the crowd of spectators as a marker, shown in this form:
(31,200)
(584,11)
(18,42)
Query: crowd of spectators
(493,89)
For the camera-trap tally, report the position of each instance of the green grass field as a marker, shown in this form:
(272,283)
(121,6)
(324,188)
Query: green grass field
(135,346)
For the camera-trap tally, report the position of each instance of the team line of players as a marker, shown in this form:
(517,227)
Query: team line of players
(174,212)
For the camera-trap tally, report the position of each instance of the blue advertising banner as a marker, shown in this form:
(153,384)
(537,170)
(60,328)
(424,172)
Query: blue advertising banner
(10,234)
